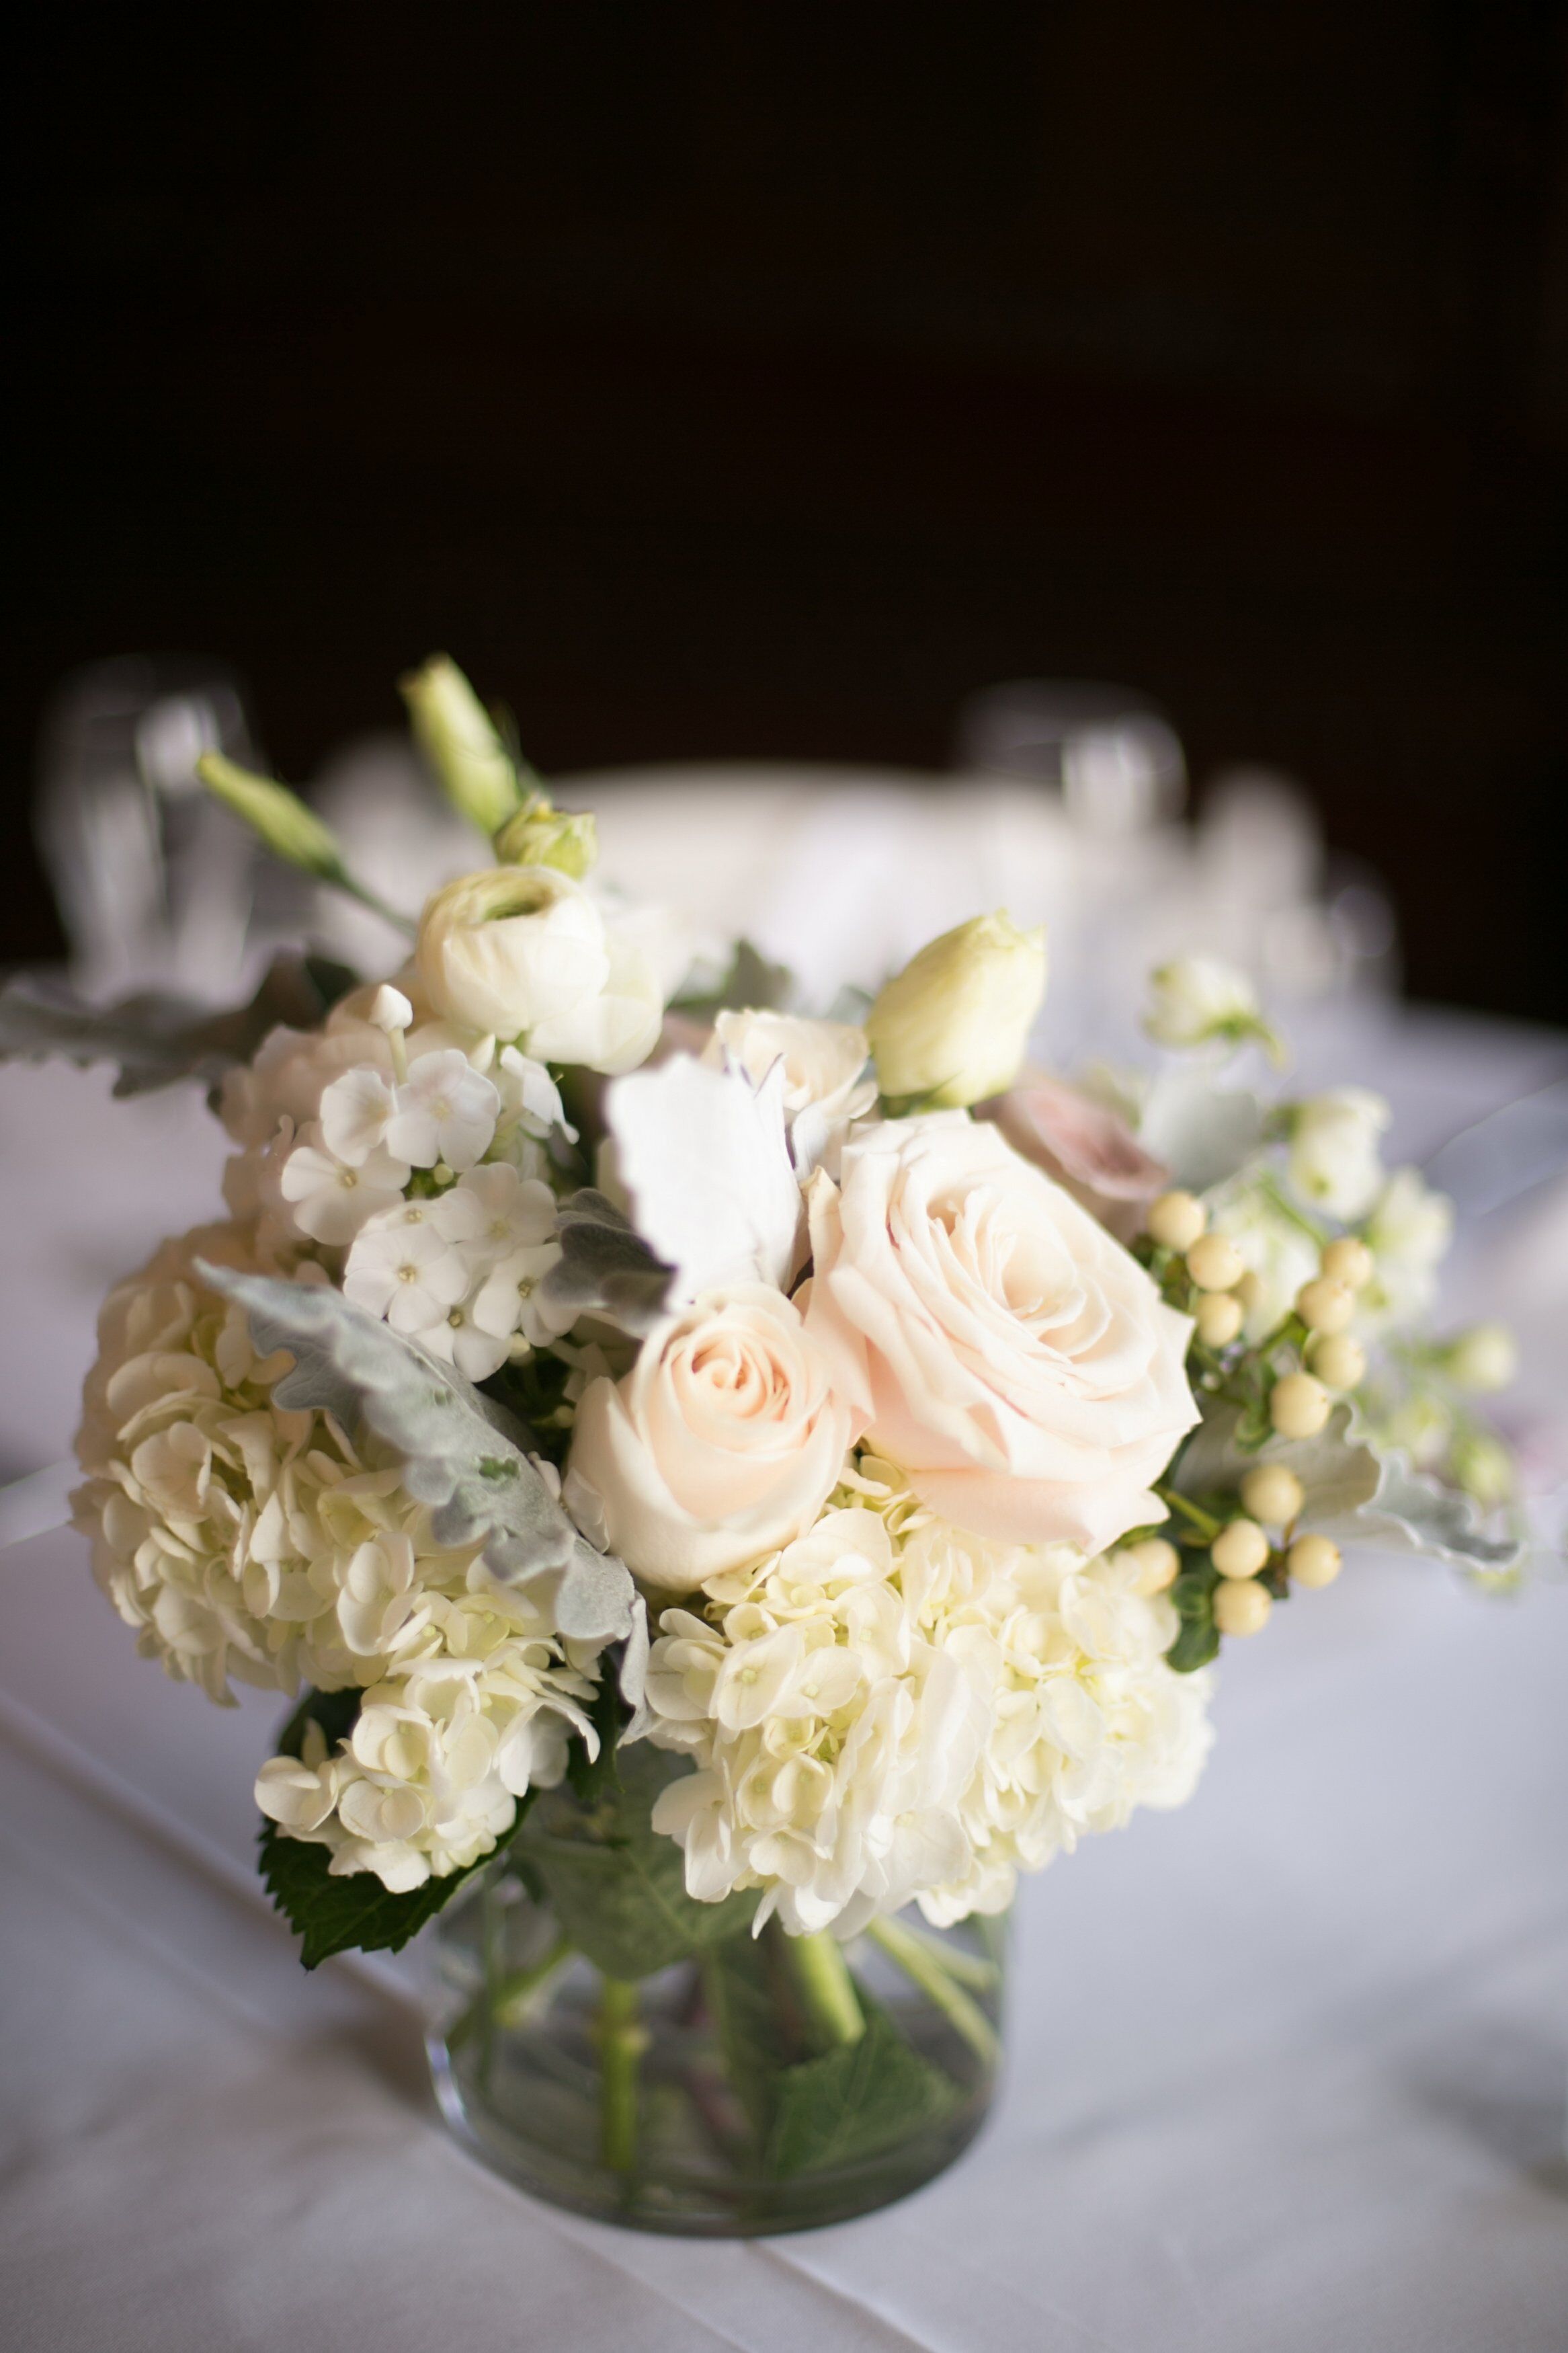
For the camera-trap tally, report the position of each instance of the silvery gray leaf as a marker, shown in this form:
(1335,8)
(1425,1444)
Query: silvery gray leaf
(605,1268)
(463,1456)
(634,1674)
(1204,1133)
(1411,1513)
(157,1040)
(1355,1493)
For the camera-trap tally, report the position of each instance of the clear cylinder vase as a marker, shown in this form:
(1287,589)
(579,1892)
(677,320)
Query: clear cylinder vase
(762,2085)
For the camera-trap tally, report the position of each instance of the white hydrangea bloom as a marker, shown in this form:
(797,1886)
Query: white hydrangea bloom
(892,1709)
(430,1778)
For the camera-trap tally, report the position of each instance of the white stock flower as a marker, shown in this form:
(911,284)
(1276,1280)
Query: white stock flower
(889,1709)
(530,1096)
(826,1084)
(1196,1000)
(332,1201)
(446,1111)
(403,1269)
(1408,1233)
(722,1443)
(356,1111)
(1280,1255)
(996,1342)
(1333,1160)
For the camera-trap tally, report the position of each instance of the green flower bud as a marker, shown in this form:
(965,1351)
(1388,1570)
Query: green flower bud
(952,1028)
(458,738)
(1482,1466)
(1483,1358)
(289,829)
(542,836)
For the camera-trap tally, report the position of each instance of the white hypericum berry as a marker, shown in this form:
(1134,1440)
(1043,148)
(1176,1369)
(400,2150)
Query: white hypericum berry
(1325,1305)
(1339,1361)
(1273,1494)
(1215,1263)
(1348,1261)
(1299,1406)
(1242,1608)
(1158,1563)
(1240,1550)
(1219,1316)
(1313,1560)
(1176,1220)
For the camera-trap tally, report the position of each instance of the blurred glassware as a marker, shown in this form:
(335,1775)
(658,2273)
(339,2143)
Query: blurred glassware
(1109,751)
(155,883)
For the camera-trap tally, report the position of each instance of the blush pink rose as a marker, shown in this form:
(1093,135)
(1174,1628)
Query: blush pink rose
(1084,1145)
(1002,1347)
(720,1445)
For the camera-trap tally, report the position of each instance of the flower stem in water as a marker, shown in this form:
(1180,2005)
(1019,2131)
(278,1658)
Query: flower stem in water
(925,1966)
(825,1987)
(622,2041)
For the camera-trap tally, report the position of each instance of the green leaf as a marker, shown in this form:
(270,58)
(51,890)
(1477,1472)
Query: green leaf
(857,2100)
(617,1885)
(157,1040)
(351,1914)
(605,1268)
(459,1454)
(1198,1641)
(752,984)
(756,2016)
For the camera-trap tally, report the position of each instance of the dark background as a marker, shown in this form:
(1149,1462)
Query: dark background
(757,380)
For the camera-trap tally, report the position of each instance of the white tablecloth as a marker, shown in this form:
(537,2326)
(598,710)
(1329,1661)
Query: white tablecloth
(1290,2068)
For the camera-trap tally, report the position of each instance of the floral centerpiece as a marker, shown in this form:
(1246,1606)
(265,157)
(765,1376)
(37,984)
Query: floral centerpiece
(728,1489)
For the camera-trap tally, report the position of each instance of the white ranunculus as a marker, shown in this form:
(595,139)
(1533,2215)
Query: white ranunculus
(1196,1000)
(1001,1347)
(1334,1161)
(522,952)
(825,1085)
(719,1446)
(889,1709)
(953,1027)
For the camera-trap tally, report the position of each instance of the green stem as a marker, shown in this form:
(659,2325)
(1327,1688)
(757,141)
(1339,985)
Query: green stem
(1204,1522)
(343,880)
(622,2041)
(826,1988)
(521,1987)
(925,1966)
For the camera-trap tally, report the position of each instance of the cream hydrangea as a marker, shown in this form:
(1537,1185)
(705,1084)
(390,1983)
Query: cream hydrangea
(428,1779)
(890,1708)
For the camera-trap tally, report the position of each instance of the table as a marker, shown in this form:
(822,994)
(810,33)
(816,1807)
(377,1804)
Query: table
(1288,2069)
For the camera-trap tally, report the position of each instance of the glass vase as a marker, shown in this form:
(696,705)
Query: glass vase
(759,2084)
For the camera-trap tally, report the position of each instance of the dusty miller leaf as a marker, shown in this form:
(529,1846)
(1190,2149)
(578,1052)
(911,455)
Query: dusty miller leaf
(605,1268)
(458,1455)
(157,1040)
(1354,1493)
